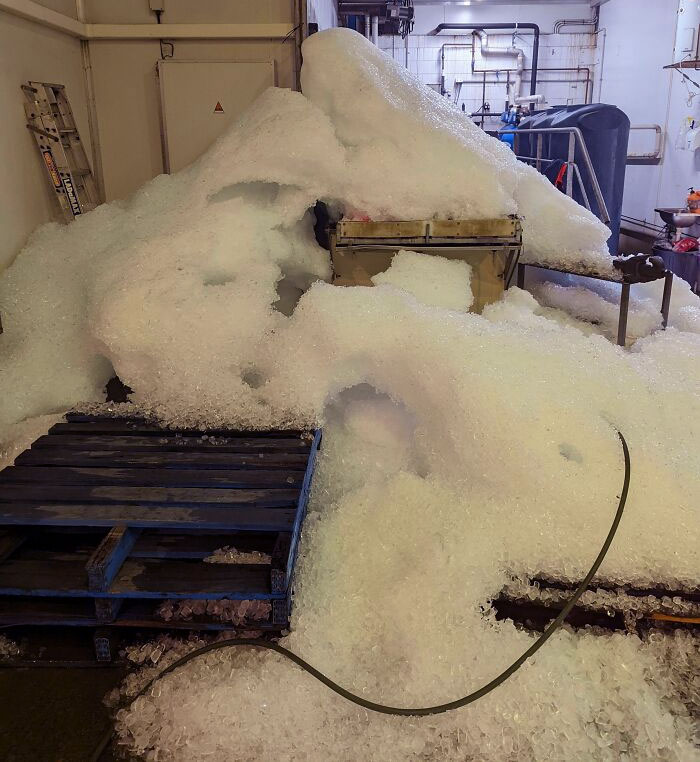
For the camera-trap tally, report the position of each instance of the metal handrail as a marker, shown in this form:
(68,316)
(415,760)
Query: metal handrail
(658,153)
(577,135)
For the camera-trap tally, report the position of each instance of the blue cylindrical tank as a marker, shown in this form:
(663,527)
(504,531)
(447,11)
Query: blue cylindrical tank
(605,130)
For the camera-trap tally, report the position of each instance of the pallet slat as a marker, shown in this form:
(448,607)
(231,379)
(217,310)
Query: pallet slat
(139,578)
(165,443)
(76,424)
(167,517)
(110,554)
(154,477)
(177,496)
(165,460)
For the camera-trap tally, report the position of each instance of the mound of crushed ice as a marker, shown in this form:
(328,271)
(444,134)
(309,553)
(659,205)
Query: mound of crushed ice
(460,451)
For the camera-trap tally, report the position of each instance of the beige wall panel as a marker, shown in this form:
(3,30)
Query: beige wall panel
(30,51)
(127,96)
(67,7)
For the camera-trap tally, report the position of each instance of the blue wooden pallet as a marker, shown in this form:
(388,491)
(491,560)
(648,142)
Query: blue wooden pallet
(103,518)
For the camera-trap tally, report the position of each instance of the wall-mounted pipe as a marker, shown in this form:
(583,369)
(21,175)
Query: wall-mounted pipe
(368,26)
(534,28)
(375,30)
(559,25)
(536,98)
(487,50)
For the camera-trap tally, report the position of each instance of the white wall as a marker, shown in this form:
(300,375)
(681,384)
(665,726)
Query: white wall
(31,52)
(322,12)
(633,49)
(561,51)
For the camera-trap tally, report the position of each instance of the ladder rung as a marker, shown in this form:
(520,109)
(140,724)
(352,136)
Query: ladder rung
(68,129)
(81,172)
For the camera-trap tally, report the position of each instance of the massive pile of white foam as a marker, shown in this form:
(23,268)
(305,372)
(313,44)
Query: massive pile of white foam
(459,450)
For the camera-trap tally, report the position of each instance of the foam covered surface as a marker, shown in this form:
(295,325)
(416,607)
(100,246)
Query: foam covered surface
(460,451)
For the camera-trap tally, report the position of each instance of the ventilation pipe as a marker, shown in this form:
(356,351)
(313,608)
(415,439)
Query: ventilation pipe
(486,50)
(375,30)
(534,28)
(368,33)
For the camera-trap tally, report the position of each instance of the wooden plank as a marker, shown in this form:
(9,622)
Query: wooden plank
(10,540)
(157,578)
(171,460)
(199,544)
(43,576)
(153,477)
(139,427)
(165,517)
(109,556)
(171,443)
(151,578)
(75,612)
(184,496)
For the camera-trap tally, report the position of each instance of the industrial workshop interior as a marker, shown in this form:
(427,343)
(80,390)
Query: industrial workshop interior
(350,380)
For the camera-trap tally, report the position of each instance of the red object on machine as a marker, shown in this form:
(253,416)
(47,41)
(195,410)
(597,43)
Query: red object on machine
(686,244)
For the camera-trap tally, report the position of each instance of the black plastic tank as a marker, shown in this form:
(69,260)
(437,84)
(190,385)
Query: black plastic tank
(605,129)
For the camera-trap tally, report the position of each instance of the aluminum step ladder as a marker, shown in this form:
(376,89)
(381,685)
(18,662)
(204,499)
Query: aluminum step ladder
(50,118)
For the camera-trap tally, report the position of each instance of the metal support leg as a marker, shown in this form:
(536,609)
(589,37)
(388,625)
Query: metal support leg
(666,300)
(624,309)
(521,275)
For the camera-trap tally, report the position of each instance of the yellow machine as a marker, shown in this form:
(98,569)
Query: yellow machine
(360,250)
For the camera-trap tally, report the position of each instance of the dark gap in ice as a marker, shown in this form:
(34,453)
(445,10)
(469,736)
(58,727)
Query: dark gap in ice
(218,279)
(288,293)
(253,377)
(569,452)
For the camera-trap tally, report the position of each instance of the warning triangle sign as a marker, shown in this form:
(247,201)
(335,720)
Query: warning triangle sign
(218,109)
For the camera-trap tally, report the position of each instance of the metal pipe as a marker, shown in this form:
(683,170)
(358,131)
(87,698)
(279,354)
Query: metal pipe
(368,22)
(486,50)
(375,30)
(588,82)
(534,28)
(558,25)
(537,98)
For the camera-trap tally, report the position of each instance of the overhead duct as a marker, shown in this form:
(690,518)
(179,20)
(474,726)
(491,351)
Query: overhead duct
(534,28)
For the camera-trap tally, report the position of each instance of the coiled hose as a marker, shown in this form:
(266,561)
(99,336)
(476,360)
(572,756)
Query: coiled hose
(406,711)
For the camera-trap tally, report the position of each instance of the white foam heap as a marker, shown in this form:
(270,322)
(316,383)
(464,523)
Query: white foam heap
(459,450)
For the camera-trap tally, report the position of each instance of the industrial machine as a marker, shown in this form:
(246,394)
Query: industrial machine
(492,248)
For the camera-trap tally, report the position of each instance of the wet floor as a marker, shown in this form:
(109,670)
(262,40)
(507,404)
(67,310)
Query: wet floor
(54,713)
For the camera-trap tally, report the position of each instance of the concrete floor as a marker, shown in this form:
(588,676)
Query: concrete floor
(50,713)
(54,715)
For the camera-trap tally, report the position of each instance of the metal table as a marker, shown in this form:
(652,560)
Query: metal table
(624,295)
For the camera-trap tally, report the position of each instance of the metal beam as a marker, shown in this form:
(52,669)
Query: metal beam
(26,9)
(188,31)
(32,11)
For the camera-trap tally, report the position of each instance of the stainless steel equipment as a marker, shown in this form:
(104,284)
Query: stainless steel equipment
(678,218)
